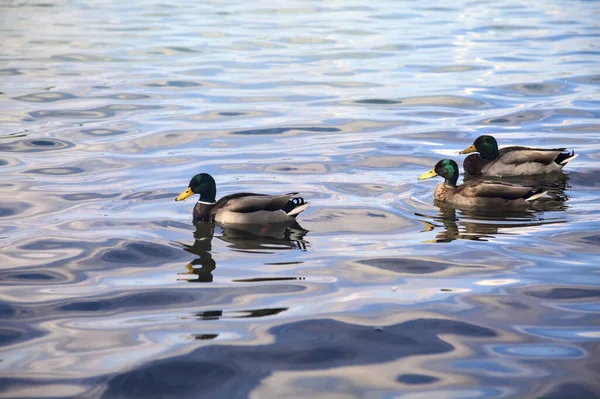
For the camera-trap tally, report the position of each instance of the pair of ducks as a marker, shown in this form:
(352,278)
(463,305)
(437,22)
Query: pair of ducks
(493,162)
(250,208)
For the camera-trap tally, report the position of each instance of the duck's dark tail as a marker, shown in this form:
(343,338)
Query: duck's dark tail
(295,206)
(565,157)
(535,194)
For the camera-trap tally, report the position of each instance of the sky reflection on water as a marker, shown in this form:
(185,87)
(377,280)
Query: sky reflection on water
(109,290)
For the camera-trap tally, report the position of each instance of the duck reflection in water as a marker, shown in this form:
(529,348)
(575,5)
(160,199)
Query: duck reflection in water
(485,224)
(241,238)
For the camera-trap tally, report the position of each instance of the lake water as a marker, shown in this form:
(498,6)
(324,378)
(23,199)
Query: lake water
(108,108)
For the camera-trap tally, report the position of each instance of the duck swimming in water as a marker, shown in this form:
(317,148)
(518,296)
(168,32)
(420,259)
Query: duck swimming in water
(240,208)
(513,161)
(478,193)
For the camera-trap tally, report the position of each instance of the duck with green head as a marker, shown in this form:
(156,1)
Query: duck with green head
(477,193)
(240,208)
(512,161)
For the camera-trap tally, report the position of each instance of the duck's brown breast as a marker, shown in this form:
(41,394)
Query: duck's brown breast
(474,165)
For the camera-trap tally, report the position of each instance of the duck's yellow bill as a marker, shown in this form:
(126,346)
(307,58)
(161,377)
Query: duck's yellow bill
(469,150)
(186,194)
(428,175)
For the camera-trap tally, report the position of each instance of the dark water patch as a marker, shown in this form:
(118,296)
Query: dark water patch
(405,266)
(429,101)
(416,379)
(49,244)
(534,115)
(103,132)
(394,47)
(304,345)
(127,96)
(181,49)
(396,16)
(457,68)
(297,168)
(12,208)
(50,42)
(87,196)
(569,36)
(378,101)
(231,113)
(55,171)
(266,279)
(509,59)
(179,377)
(10,335)
(240,314)
(218,117)
(170,50)
(142,253)
(536,89)
(203,72)
(32,276)
(104,255)
(7,311)
(589,79)
(576,128)
(95,113)
(346,55)
(504,28)
(10,72)
(573,390)
(3,162)
(36,145)
(139,300)
(592,239)
(45,97)
(282,130)
(82,58)
(563,293)
(204,337)
(174,83)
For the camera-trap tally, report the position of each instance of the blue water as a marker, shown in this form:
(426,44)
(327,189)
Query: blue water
(107,109)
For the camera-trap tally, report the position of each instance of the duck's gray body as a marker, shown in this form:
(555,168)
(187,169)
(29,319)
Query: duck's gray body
(250,208)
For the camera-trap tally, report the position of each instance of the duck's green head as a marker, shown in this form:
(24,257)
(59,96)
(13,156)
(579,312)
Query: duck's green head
(485,145)
(446,168)
(202,184)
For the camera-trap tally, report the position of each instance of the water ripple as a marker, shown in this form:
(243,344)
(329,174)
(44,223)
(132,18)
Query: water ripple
(109,289)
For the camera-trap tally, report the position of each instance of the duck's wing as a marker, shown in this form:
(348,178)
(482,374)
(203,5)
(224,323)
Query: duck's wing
(250,202)
(488,189)
(521,155)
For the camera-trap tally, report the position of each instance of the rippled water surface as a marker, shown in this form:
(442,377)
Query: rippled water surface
(108,108)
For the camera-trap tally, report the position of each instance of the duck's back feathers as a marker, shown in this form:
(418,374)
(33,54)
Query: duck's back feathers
(250,202)
(487,189)
(519,161)
(521,155)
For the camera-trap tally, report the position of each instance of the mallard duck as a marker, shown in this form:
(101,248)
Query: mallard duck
(477,193)
(240,208)
(513,161)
